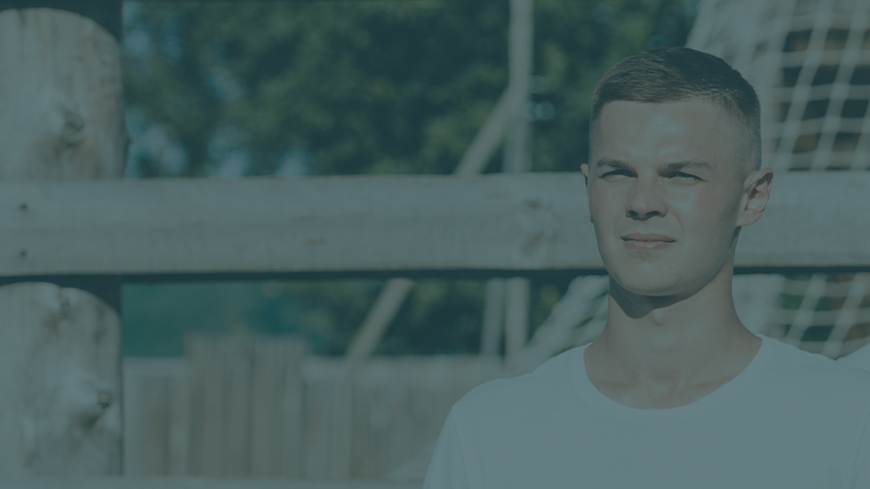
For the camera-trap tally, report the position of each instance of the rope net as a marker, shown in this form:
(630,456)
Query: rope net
(809,61)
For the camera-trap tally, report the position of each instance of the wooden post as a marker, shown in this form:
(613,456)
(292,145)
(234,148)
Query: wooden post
(493,318)
(518,159)
(61,118)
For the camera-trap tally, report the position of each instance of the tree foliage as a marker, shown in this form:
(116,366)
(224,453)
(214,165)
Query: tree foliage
(365,87)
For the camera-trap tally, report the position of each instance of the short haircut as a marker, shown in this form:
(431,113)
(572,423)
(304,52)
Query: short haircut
(676,74)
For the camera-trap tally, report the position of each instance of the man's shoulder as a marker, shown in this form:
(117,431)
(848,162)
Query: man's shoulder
(816,374)
(550,382)
(859,359)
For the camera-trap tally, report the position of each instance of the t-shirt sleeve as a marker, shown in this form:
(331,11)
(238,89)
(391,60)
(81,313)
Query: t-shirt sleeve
(447,467)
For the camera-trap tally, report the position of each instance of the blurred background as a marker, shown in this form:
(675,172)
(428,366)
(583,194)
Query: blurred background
(291,89)
(350,376)
(295,89)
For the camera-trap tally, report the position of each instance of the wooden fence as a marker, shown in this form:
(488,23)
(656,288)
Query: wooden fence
(237,407)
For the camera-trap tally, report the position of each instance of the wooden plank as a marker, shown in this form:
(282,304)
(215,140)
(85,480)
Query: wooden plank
(157,434)
(494,224)
(264,419)
(516,317)
(375,324)
(487,140)
(276,407)
(155,388)
(521,47)
(813,219)
(518,158)
(207,400)
(292,415)
(345,224)
(136,451)
(399,404)
(192,483)
(179,435)
(341,442)
(493,318)
(236,357)
(317,430)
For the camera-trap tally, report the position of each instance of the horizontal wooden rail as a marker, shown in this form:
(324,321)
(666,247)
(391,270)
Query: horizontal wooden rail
(190,483)
(398,225)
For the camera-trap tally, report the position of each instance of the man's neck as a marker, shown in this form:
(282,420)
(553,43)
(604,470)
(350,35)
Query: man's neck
(657,353)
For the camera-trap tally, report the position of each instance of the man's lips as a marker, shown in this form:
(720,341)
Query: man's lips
(652,237)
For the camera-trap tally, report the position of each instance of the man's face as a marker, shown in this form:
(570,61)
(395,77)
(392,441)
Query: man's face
(665,192)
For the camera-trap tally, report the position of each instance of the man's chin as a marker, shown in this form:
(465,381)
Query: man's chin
(659,285)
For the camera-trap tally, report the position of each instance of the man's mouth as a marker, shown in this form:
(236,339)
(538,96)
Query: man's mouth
(646,242)
(652,237)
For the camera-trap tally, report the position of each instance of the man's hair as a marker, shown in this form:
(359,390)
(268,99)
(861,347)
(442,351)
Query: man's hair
(677,74)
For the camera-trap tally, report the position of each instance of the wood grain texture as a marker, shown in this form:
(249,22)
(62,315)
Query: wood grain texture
(60,381)
(61,118)
(193,483)
(301,421)
(389,223)
(60,80)
(495,224)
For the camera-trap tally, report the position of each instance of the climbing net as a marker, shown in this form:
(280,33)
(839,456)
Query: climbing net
(809,60)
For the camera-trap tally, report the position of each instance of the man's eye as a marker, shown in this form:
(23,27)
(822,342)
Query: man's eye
(683,176)
(617,173)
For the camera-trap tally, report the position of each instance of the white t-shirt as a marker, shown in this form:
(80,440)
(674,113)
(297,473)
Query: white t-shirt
(791,420)
(858,359)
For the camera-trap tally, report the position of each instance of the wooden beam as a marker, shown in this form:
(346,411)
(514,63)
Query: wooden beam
(339,224)
(518,159)
(487,140)
(192,483)
(516,326)
(493,318)
(517,147)
(379,317)
(491,225)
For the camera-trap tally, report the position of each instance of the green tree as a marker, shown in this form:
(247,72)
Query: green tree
(371,87)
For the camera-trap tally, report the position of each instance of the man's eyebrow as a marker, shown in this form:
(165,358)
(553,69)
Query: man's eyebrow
(673,166)
(615,164)
(690,164)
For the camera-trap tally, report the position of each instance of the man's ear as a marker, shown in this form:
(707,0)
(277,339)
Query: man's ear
(756,192)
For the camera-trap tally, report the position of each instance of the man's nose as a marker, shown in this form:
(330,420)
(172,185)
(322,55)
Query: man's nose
(645,201)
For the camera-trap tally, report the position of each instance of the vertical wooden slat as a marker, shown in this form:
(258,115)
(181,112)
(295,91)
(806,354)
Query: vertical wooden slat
(518,158)
(157,396)
(179,435)
(235,355)
(493,318)
(135,416)
(208,370)
(341,408)
(264,418)
(317,430)
(290,446)
(197,405)
(516,317)
(398,407)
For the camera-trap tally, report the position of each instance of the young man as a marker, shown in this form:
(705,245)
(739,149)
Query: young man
(676,393)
